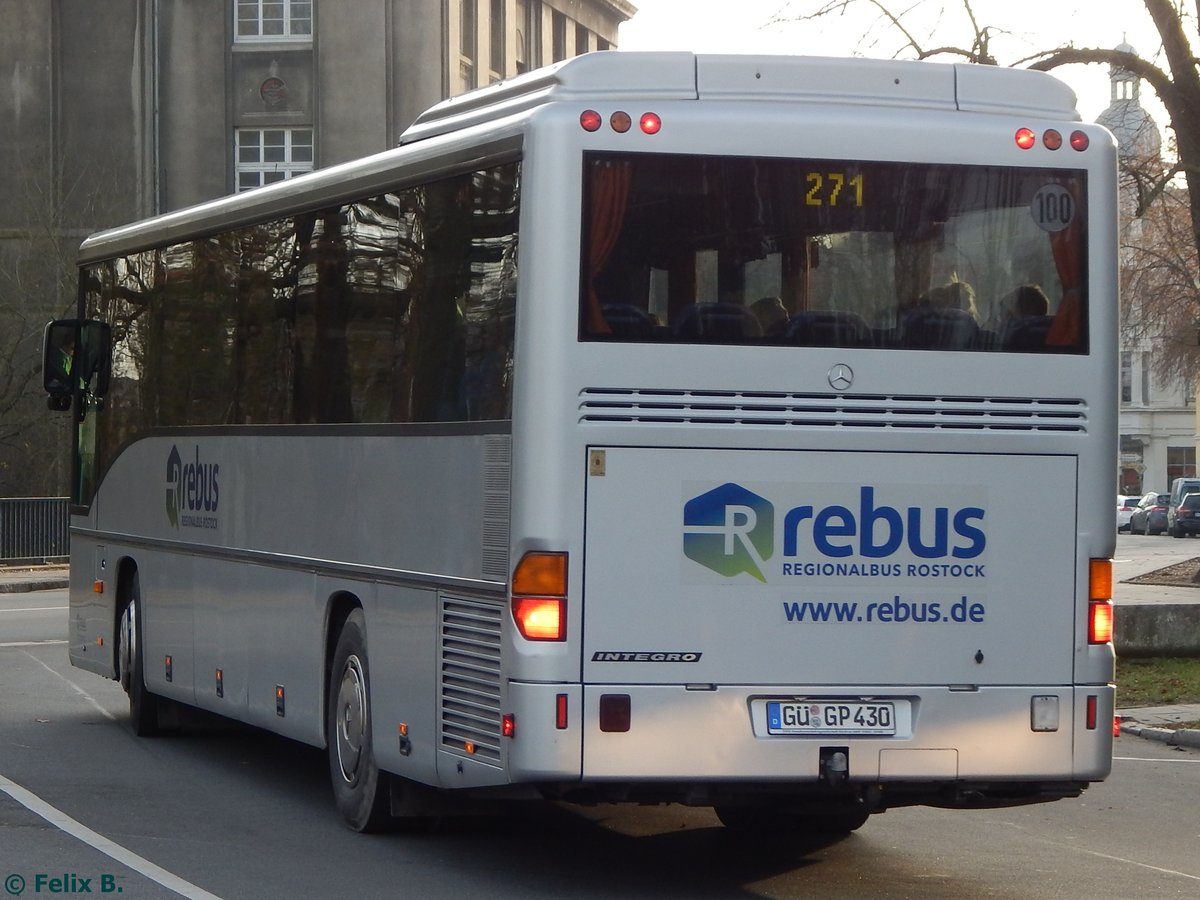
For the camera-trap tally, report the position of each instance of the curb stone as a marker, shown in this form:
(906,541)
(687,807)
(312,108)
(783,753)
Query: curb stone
(1182,737)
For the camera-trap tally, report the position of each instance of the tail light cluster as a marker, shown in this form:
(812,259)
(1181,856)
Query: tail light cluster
(1100,605)
(539,596)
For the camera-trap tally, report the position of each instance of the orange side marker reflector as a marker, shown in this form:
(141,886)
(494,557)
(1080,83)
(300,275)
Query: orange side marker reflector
(97,587)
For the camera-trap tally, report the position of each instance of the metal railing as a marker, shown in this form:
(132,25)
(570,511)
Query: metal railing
(34,529)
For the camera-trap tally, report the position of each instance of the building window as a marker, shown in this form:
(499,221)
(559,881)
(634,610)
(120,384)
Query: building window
(1126,377)
(468,25)
(581,39)
(558,40)
(530,51)
(273,20)
(1181,463)
(497,62)
(266,155)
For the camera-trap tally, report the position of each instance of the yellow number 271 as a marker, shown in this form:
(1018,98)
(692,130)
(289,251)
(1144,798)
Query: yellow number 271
(826,189)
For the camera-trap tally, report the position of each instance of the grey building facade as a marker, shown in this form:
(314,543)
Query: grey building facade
(114,110)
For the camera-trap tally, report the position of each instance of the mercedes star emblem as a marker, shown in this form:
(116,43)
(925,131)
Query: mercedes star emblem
(841,377)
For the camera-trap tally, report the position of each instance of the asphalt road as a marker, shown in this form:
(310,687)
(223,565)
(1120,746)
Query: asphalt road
(221,810)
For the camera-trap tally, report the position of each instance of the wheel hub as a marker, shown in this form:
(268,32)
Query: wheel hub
(351,718)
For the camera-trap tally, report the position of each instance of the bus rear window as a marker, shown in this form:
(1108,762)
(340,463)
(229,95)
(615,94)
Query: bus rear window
(833,253)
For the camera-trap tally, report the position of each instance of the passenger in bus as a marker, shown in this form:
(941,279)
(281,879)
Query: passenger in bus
(1028,311)
(1029,300)
(954,295)
(772,315)
(943,320)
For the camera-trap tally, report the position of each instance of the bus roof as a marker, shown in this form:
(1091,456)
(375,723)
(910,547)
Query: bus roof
(621,76)
(610,77)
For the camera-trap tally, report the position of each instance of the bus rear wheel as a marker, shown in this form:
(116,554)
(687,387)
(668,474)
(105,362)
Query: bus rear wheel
(359,788)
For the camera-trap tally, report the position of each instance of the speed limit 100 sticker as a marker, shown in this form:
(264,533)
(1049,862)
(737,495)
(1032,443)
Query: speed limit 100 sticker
(1052,207)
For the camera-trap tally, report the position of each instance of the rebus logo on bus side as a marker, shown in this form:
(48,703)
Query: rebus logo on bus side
(191,488)
(731,530)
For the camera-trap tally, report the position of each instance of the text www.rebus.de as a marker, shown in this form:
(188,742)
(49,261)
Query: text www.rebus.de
(897,611)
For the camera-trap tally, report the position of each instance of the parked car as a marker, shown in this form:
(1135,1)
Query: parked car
(1150,515)
(1125,508)
(1180,488)
(1187,516)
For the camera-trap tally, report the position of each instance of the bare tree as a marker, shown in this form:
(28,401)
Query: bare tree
(1159,269)
(37,284)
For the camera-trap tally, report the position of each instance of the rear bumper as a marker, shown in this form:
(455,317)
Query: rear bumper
(961,741)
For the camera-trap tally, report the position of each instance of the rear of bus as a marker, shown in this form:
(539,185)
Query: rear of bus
(818,466)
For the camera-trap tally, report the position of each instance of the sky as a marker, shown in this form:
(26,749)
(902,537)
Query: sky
(762,26)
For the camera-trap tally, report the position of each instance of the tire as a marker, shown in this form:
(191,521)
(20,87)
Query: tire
(837,820)
(143,705)
(359,788)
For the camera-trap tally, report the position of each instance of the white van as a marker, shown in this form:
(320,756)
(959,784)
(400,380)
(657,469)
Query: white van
(1180,488)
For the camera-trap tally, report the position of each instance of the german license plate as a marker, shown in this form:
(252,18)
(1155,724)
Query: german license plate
(830,717)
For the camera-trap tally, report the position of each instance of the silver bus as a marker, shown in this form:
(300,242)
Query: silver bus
(726,430)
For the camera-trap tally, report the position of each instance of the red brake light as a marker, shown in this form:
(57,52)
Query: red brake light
(1079,140)
(590,120)
(541,618)
(651,123)
(1025,138)
(1100,622)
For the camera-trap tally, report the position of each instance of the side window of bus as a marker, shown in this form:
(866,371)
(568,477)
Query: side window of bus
(392,308)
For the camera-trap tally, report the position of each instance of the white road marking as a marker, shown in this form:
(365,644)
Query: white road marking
(62,821)
(76,688)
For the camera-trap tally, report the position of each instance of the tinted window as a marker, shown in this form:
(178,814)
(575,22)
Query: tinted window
(839,253)
(393,308)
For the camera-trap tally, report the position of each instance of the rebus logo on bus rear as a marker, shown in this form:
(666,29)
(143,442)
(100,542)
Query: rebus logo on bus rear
(191,489)
(731,530)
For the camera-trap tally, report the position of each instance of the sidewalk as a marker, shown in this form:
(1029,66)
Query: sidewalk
(20,579)
(1148,721)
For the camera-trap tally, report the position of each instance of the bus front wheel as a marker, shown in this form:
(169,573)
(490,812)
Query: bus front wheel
(143,705)
(359,788)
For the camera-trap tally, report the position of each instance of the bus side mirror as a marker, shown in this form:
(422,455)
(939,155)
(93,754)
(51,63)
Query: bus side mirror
(76,355)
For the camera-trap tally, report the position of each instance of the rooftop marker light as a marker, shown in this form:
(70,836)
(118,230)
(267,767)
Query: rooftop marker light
(651,123)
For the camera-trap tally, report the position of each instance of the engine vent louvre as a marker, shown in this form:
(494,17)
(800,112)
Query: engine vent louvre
(870,411)
(470,691)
